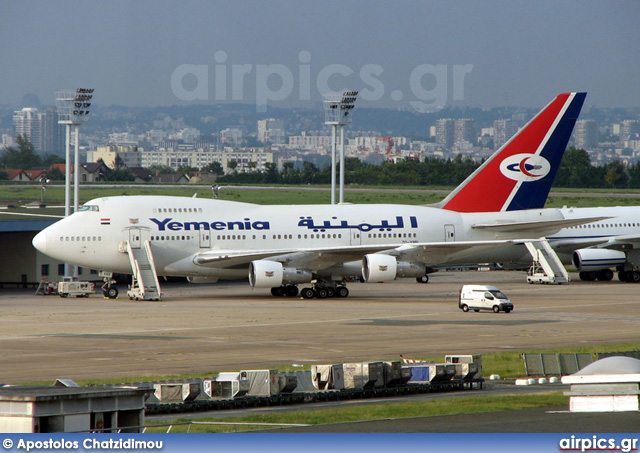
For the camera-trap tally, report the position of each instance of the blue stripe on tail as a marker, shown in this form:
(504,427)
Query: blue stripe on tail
(534,194)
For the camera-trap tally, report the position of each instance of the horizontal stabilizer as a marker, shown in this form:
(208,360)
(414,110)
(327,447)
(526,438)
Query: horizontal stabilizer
(536,227)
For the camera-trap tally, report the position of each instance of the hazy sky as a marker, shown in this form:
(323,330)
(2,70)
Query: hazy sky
(418,54)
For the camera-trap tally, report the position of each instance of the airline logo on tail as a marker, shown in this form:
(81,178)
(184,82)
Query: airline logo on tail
(525,167)
(519,175)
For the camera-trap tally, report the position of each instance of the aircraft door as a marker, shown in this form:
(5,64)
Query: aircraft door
(449,233)
(356,236)
(135,238)
(205,239)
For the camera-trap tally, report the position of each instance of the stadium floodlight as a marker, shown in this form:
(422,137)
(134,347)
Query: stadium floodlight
(337,112)
(73,110)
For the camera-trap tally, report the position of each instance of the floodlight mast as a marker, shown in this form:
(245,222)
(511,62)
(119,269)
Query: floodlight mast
(337,112)
(73,110)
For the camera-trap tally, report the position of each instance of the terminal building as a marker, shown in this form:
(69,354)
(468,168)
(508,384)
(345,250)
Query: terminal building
(21,263)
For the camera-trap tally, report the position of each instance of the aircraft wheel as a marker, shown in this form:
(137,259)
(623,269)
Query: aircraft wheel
(277,291)
(465,308)
(331,292)
(307,293)
(604,275)
(423,279)
(622,276)
(112,293)
(496,309)
(342,291)
(291,291)
(583,276)
(633,277)
(590,276)
(322,293)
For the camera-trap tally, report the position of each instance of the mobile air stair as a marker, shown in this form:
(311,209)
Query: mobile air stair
(145,284)
(547,267)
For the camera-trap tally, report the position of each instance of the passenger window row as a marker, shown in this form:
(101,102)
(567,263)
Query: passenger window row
(606,225)
(80,238)
(394,235)
(178,210)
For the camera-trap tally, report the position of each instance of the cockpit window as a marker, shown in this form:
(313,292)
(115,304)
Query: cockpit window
(89,207)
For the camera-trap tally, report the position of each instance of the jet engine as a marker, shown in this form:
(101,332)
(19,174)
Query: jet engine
(270,274)
(385,268)
(597,259)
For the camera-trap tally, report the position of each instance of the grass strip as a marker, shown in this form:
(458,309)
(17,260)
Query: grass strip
(368,412)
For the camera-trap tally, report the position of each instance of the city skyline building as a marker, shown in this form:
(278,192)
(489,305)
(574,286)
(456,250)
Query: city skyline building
(271,130)
(28,123)
(445,128)
(586,134)
(465,130)
(629,128)
(503,130)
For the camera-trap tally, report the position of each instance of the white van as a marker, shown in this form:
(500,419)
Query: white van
(483,297)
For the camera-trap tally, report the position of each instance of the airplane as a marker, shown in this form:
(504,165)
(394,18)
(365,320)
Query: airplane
(281,247)
(592,249)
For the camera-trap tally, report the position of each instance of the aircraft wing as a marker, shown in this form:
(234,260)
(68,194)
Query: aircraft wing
(430,253)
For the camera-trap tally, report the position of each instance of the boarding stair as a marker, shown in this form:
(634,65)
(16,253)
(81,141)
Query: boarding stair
(546,267)
(145,284)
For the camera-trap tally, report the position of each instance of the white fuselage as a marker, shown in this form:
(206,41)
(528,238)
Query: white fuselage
(178,228)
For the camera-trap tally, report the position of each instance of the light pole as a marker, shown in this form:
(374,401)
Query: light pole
(73,110)
(337,109)
(43,182)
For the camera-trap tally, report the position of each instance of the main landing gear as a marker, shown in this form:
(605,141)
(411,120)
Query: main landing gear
(603,275)
(629,276)
(108,290)
(319,290)
(607,275)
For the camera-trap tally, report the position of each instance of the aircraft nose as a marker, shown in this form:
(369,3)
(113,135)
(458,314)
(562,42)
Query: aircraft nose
(40,242)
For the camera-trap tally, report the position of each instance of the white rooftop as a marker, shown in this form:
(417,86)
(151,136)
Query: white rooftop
(607,370)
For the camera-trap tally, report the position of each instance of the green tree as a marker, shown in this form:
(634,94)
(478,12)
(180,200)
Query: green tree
(49,160)
(161,169)
(615,175)
(271,175)
(22,158)
(122,174)
(634,175)
(576,170)
(55,174)
(309,170)
(214,167)
(186,170)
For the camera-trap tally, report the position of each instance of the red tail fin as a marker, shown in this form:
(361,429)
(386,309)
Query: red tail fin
(519,175)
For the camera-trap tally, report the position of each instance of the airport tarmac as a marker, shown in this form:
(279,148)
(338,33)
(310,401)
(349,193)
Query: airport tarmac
(225,327)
